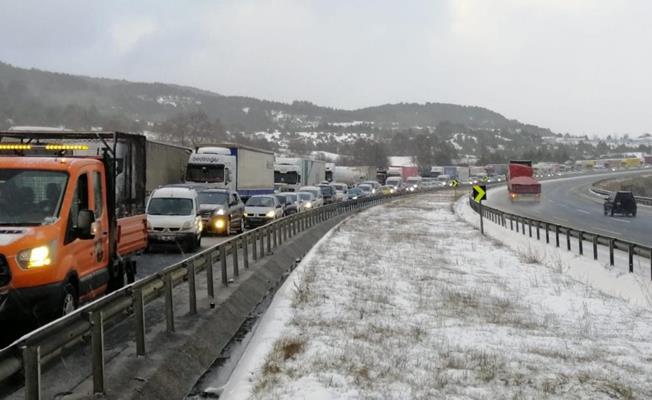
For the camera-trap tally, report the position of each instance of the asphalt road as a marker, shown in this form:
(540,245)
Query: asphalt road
(569,202)
(164,256)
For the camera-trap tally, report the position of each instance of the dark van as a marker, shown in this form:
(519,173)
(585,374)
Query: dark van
(620,203)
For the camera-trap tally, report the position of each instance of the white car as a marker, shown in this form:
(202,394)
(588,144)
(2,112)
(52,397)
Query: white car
(340,190)
(306,201)
(375,186)
(316,191)
(173,218)
(261,209)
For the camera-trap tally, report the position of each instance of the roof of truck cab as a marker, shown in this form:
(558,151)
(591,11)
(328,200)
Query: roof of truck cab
(46,163)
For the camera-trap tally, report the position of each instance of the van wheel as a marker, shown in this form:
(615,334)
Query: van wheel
(69,300)
(197,244)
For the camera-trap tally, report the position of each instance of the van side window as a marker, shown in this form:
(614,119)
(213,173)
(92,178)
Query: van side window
(98,193)
(79,202)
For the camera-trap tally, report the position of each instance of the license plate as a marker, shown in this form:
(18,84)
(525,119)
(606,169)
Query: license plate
(167,238)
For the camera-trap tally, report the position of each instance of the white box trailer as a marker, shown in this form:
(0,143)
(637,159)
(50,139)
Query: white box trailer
(247,170)
(166,164)
(297,172)
(354,175)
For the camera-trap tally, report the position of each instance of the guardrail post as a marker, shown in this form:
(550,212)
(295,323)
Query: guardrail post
(568,235)
(192,288)
(517,231)
(529,227)
(234,252)
(210,286)
(547,233)
(254,245)
(511,224)
(268,232)
(538,234)
(595,247)
(169,304)
(32,368)
(631,257)
(139,311)
(580,234)
(523,226)
(261,232)
(245,251)
(651,264)
(97,351)
(225,275)
(557,235)
(611,251)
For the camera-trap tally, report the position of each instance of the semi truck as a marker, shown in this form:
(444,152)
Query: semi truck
(354,174)
(402,171)
(247,170)
(298,172)
(521,184)
(71,218)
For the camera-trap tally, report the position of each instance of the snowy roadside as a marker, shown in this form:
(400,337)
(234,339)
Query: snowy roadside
(614,281)
(406,301)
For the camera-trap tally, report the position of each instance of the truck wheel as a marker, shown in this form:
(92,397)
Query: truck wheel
(116,277)
(69,300)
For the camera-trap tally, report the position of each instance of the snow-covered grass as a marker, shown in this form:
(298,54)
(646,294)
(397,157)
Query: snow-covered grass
(408,301)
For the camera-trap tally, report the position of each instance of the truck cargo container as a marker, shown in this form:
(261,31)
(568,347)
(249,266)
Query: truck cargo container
(354,175)
(521,184)
(166,163)
(71,217)
(403,172)
(297,172)
(247,170)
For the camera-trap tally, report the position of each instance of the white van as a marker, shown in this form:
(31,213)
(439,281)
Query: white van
(173,217)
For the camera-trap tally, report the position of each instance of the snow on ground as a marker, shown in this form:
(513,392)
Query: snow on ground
(406,301)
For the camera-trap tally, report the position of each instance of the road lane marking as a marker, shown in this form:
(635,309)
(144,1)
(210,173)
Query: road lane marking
(608,231)
(583,211)
(621,220)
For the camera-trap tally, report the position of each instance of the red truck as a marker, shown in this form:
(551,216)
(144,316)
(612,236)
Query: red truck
(71,218)
(521,184)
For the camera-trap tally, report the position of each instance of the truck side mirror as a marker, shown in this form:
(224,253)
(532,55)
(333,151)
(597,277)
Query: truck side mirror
(85,220)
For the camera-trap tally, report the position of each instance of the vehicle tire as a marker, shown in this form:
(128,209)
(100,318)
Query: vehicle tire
(605,211)
(197,243)
(241,226)
(227,228)
(634,214)
(69,300)
(612,212)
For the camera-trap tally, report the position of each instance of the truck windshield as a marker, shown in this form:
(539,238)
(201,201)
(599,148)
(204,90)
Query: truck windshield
(30,197)
(291,178)
(213,197)
(169,206)
(210,173)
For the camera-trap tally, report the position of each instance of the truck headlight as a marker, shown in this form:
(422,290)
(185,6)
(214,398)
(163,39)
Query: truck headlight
(35,258)
(219,212)
(270,214)
(308,205)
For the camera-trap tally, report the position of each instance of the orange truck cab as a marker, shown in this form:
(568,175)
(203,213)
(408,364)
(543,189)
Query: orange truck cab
(71,217)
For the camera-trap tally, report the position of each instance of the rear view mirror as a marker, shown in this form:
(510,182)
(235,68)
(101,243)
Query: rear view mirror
(85,220)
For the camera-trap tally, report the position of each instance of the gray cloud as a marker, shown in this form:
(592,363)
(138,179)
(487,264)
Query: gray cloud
(573,65)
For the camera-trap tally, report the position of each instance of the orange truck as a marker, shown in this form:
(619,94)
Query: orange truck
(71,218)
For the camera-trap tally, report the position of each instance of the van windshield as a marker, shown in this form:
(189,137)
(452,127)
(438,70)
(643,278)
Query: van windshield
(169,206)
(207,173)
(30,197)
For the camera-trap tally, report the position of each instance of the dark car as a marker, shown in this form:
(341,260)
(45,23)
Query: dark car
(328,193)
(620,203)
(289,202)
(221,211)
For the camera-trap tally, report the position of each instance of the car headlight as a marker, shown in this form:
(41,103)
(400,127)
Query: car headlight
(219,224)
(34,258)
(308,204)
(245,214)
(186,225)
(219,212)
(355,197)
(270,214)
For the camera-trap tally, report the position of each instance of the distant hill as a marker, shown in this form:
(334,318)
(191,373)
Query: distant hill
(155,102)
(190,116)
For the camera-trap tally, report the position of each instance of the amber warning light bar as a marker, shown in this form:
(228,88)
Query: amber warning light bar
(51,147)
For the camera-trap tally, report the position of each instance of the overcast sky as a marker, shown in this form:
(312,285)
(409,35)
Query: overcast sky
(579,66)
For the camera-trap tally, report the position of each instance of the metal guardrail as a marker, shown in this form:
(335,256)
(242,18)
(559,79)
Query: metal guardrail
(558,231)
(41,346)
(639,199)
